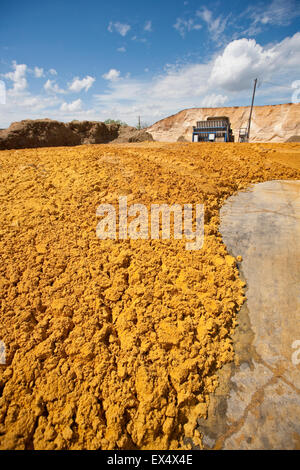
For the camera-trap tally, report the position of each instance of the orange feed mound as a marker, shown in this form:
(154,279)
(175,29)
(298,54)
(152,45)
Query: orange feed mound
(116,344)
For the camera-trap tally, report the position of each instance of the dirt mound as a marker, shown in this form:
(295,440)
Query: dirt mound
(115,344)
(50,133)
(182,139)
(275,123)
(294,138)
(131,134)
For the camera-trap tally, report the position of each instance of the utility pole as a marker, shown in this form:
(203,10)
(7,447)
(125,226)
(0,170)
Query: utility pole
(249,124)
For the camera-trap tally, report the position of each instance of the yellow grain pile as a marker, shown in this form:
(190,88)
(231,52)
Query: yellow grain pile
(115,344)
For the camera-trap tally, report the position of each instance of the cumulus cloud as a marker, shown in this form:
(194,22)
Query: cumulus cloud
(25,105)
(225,79)
(113,75)
(70,107)
(83,84)
(52,72)
(183,26)
(51,87)
(121,28)
(18,77)
(187,82)
(155,97)
(244,59)
(121,49)
(38,72)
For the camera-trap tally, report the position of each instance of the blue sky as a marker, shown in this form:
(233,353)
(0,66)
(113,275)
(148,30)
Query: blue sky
(98,59)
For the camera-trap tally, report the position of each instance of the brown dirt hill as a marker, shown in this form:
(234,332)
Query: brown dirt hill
(272,123)
(131,134)
(294,138)
(50,133)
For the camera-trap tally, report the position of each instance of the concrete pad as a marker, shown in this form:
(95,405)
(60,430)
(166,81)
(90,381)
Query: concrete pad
(257,405)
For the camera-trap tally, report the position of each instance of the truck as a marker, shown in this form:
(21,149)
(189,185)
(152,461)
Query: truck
(214,129)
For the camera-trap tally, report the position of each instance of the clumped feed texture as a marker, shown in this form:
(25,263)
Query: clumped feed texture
(115,344)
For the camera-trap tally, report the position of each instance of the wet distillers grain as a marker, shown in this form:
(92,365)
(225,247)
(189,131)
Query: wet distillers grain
(115,344)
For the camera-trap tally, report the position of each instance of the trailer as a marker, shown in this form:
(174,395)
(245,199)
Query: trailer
(214,129)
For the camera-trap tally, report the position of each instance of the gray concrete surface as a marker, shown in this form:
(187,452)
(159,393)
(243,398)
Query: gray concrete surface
(257,405)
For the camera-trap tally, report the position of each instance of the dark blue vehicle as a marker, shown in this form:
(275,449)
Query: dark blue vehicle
(214,129)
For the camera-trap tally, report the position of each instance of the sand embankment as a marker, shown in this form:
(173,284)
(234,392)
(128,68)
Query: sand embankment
(274,123)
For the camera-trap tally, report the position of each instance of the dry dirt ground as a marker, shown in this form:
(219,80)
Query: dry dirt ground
(116,344)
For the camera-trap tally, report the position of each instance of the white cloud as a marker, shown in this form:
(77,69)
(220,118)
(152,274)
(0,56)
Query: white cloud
(278,12)
(262,15)
(83,84)
(121,49)
(188,82)
(25,105)
(214,101)
(52,72)
(51,87)
(18,77)
(135,38)
(243,60)
(113,75)
(38,72)
(183,26)
(121,28)
(148,26)
(2,92)
(224,79)
(70,107)
(216,25)
(155,97)
(221,81)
